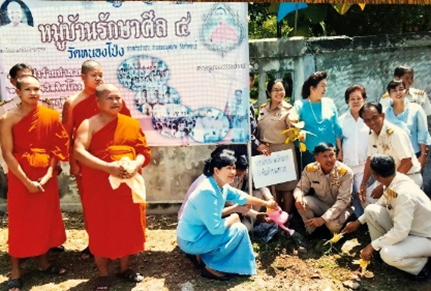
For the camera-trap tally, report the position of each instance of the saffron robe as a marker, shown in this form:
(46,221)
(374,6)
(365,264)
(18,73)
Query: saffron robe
(83,110)
(35,221)
(115,225)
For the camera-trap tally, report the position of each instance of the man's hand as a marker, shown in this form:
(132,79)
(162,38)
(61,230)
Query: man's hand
(114,169)
(75,169)
(264,149)
(352,226)
(340,155)
(42,181)
(362,192)
(423,160)
(34,187)
(367,252)
(377,192)
(300,204)
(315,222)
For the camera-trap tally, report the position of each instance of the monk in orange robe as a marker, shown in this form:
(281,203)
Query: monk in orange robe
(115,224)
(79,107)
(33,140)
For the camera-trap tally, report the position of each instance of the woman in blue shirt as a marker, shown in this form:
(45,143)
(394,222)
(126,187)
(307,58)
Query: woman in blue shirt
(410,117)
(222,244)
(320,116)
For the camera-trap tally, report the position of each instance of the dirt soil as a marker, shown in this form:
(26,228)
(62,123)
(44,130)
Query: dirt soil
(281,266)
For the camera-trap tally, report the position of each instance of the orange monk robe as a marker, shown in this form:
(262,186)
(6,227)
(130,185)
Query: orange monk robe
(83,110)
(115,224)
(35,221)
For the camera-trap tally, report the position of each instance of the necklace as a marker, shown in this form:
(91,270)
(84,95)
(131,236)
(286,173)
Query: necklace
(314,115)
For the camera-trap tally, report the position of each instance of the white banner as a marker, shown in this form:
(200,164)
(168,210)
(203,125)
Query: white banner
(182,67)
(277,168)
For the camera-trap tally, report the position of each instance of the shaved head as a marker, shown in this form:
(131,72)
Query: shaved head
(89,65)
(104,89)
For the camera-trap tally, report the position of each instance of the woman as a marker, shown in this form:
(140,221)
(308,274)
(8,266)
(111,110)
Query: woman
(410,117)
(354,139)
(222,244)
(319,114)
(274,117)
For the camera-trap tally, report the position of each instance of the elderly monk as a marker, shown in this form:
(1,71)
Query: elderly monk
(115,224)
(79,107)
(33,140)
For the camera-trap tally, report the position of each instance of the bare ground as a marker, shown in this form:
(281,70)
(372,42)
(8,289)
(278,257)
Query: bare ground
(280,265)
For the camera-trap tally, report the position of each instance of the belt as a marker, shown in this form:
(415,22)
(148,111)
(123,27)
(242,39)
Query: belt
(413,173)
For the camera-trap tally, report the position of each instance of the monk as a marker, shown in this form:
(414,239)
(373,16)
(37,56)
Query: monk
(76,109)
(33,140)
(115,224)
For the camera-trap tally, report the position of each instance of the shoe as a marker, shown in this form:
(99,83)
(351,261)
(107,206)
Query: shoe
(423,275)
(207,274)
(195,262)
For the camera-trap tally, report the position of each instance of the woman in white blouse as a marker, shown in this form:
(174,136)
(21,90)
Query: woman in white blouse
(354,139)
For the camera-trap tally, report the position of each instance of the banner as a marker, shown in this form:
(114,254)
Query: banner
(181,67)
(277,168)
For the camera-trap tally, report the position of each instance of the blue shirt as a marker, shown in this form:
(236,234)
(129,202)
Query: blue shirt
(202,212)
(321,118)
(413,121)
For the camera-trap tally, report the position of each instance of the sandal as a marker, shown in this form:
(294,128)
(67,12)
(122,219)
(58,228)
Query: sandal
(54,269)
(131,276)
(86,254)
(14,283)
(199,264)
(207,274)
(102,283)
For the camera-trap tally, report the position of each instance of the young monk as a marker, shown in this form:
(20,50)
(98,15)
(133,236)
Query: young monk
(115,224)
(33,140)
(79,107)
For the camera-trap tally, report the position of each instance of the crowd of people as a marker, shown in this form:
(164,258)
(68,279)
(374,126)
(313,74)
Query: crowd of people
(363,167)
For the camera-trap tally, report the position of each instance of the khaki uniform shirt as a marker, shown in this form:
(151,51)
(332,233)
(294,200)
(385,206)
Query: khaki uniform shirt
(413,95)
(271,123)
(408,207)
(393,141)
(335,190)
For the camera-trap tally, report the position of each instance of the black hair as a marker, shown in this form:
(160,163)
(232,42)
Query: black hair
(312,80)
(251,74)
(352,89)
(402,70)
(19,67)
(323,147)
(271,84)
(241,163)
(383,165)
(89,65)
(394,84)
(220,158)
(20,81)
(368,105)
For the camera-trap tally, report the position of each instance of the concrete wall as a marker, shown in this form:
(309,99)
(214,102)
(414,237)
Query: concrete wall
(368,61)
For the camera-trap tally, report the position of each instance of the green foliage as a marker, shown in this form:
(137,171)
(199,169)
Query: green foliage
(339,19)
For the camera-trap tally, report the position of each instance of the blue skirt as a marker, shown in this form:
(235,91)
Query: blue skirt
(230,252)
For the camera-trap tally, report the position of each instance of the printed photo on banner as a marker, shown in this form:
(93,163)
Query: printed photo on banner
(277,168)
(181,67)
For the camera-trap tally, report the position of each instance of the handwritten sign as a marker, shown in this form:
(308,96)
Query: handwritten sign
(182,67)
(279,167)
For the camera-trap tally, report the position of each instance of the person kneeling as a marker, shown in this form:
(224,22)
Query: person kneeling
(222,244)
(332,182)
(399,224)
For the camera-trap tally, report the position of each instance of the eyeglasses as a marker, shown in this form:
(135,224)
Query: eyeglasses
(277,90)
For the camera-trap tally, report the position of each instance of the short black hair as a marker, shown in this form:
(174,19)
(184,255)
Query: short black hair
(383,165)
(394,84)
(312,80)
(352,89)
(20,81)
(251,74)
(323,147)
(402,70)
(241,163)
(19,67)
(220,158)
(368,105)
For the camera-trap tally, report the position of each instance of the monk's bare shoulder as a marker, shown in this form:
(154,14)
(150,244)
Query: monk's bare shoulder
(74,99)
(11,117)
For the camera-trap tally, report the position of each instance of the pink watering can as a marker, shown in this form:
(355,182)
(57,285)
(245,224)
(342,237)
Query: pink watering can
(280,217)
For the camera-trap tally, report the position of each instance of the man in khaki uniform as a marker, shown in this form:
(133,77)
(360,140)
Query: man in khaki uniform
(399,224)
(332,183)
(386,138)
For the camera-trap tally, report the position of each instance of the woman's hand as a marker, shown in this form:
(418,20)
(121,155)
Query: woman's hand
(243,209)
(233,218)
(264,149)
(340,155)
(271,204)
